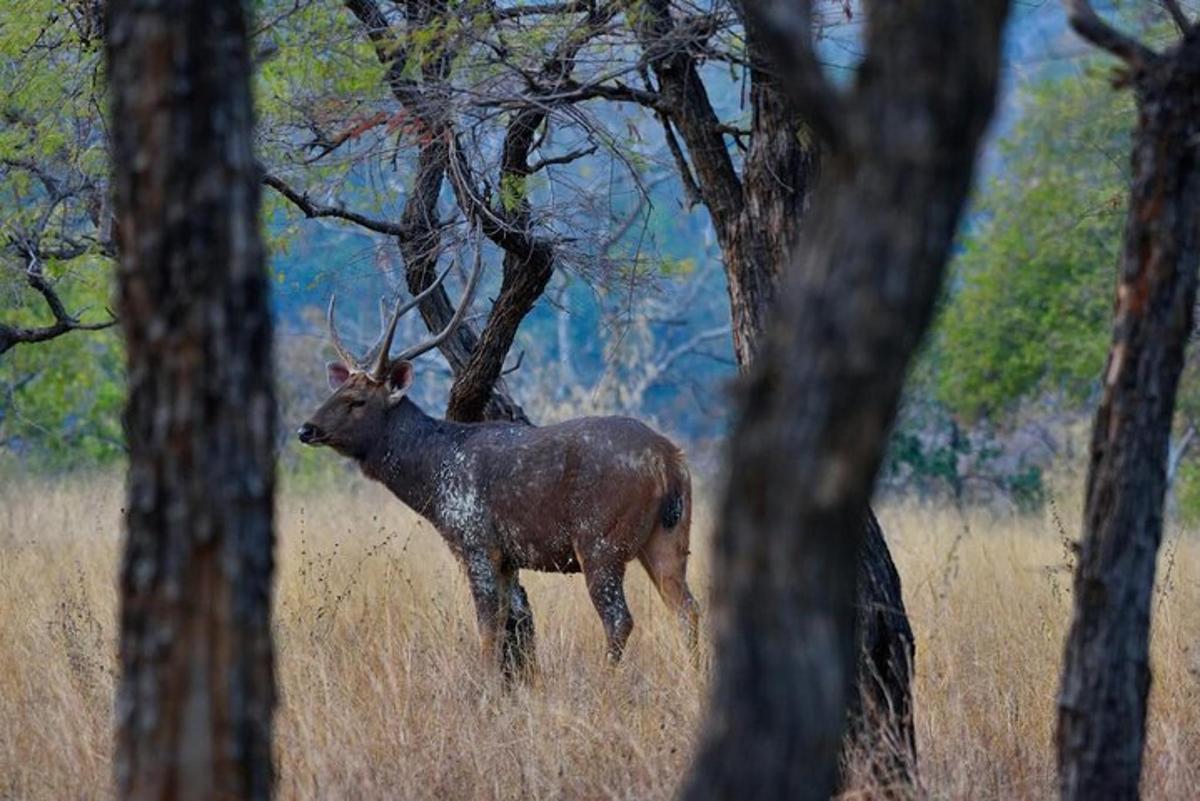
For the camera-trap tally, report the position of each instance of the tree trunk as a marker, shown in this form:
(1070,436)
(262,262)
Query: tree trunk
(820,400)
(756,218)
(197,689)
(881,735)
(1106,672)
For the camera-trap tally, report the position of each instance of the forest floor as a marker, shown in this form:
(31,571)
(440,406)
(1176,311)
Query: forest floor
(382,695)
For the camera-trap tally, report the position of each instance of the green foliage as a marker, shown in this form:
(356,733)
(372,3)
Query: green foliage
(1187,492)
(60,401)
(1030,306)
(931,454)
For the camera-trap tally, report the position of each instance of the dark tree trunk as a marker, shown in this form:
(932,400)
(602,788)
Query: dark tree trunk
(819,402)
(881,732)
(1106,671)
(197,688)
(757,218)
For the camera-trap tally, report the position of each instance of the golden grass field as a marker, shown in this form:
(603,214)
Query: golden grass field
(382,696)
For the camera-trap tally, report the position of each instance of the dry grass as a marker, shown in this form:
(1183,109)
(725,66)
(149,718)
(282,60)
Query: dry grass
(382,696)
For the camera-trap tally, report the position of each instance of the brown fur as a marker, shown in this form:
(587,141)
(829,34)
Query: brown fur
(589,495)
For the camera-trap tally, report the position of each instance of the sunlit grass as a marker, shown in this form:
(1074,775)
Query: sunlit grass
(383,696)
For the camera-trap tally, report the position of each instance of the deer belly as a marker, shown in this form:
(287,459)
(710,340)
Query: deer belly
(548,554)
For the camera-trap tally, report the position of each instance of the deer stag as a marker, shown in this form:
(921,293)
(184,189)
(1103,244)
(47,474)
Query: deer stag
(589,495)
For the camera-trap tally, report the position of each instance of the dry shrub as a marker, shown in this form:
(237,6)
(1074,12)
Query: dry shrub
(383,696)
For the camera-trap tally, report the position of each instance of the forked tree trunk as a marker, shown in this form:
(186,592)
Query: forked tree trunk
(1106,672)
(820,401)
(197,688)
(756,217)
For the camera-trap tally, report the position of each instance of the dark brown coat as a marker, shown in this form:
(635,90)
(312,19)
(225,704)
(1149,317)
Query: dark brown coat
(587,495)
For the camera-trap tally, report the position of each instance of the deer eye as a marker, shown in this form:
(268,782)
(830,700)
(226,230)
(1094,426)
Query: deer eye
(354,403)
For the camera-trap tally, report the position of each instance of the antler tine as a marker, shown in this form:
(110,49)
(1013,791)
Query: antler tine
(380,356)
(459,313)
(338,346)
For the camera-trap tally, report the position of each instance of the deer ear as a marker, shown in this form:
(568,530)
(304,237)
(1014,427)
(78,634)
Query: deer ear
(337,374)
(399,378)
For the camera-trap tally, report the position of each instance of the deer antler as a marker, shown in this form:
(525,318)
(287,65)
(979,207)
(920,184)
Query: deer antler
(338,346)
(378,355)
(459,313)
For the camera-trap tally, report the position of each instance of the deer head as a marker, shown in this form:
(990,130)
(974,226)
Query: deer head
(353,418)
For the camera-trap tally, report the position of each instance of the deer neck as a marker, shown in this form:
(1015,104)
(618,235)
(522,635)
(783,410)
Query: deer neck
(409,458)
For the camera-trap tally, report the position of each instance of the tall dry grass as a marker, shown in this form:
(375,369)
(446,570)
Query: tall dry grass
(382,696)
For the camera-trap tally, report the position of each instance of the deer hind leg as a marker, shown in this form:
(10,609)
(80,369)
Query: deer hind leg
(606,586)
(665,558)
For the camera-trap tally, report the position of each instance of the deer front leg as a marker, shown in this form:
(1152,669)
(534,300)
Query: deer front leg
(520,655)
(491,596)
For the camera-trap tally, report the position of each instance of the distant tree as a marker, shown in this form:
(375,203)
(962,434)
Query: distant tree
(1033,283)
(54,248)
(197,688)
(814,416)
(1106,671)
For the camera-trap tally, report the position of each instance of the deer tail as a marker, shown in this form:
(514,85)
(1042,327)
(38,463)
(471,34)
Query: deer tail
(677,500)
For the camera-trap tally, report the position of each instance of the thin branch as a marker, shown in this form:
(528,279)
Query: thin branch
(670,357)
(1177,16)
(566,158)
(12,335)
(574,92)
(535,9)
(516,366)
(1088,24)
(311,209)
(691,190)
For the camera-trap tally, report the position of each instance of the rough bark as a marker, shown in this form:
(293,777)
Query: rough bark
(881,736)
(819,402)
(756,216)
(197,688)
(1106,671)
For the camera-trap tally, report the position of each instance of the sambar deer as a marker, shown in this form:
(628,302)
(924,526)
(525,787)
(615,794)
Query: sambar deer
(589,495)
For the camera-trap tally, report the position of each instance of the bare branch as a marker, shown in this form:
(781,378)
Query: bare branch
(575,92)
(691,190)
(663,363)
(516,365)
(1177,16)
(311,209)
(12,335)
(536,9)
(1088,24)
(566,158)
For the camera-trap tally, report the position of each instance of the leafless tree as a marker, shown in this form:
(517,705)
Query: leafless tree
(197,687)
(1106,671)
(900,144)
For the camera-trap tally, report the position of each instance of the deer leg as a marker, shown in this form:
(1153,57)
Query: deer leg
(490,594)
(518,656)
(606,586)
(665,560)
